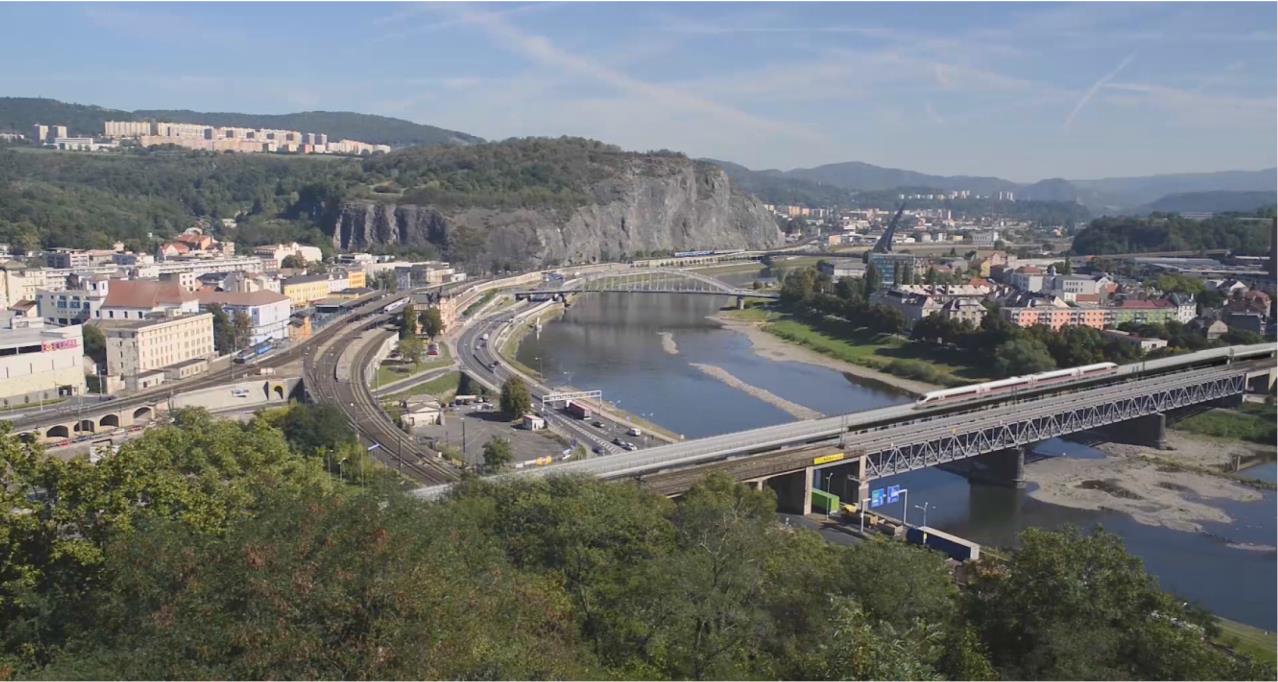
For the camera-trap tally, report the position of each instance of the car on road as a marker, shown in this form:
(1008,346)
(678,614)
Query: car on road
(634,431)
(618,441)
(599,450)
(630,446)
(597,424)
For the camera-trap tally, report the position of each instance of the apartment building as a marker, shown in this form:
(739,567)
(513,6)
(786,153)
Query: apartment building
(77,304)
(39,363)
(176,347)
(129,128)
(267,311)
(894,268)
(20,283)
(1056,313)
(276,253)
(233,139)
(963,310)
(303,289)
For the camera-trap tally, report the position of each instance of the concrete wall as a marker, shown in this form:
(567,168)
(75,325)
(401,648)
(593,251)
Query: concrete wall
(258,392)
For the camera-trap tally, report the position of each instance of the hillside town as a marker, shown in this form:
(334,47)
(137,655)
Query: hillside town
(160,315)
(195,136)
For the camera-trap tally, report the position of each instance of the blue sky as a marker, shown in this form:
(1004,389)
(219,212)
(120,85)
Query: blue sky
(1023,91)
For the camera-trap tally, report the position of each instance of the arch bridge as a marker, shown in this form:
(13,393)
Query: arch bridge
(647,281)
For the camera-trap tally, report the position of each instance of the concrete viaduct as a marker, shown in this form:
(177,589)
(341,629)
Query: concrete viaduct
(107,416)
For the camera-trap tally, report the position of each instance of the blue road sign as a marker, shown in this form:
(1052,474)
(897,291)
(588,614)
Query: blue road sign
(877,498)
(893,494)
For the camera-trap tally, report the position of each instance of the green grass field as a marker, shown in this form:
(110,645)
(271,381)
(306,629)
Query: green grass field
(389,372)
(1247,639)
(1254,423)
(443,387)
(845,341)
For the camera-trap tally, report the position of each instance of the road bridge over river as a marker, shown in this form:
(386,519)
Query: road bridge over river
(894,440)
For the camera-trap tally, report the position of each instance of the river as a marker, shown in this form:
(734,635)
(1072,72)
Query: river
(614,343)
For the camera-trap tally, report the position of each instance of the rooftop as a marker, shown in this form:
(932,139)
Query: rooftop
(252,298)
(141,293)
(303,279)
(120,325)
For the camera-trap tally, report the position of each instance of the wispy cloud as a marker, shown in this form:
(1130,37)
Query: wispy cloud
(1196,109)
(546,53)
(1091,92)
(404,27)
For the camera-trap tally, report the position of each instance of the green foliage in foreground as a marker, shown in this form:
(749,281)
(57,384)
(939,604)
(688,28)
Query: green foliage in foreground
(217,550)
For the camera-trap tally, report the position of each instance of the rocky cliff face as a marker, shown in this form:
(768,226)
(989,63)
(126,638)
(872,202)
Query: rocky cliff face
(673,204)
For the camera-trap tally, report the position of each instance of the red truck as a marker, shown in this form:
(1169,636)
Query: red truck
(577,410)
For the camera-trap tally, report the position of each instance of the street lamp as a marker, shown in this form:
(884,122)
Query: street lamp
(926,506)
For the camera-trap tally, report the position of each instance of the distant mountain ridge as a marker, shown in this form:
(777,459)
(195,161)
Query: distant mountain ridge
(1104,195)
(20,113)
(1213,202)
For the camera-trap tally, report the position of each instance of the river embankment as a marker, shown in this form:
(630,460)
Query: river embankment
(775,348)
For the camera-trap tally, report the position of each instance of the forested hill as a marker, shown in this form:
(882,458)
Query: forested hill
(1213,202)
(20,113)
(1242,234)
(775,187)
(520,202)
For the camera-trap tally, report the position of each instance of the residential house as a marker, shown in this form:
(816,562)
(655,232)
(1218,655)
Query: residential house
(963,310)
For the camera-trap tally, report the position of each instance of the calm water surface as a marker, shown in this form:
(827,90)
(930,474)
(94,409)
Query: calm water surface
(613,343)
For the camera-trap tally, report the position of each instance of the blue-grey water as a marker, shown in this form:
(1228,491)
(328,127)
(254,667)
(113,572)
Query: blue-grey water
(612,343)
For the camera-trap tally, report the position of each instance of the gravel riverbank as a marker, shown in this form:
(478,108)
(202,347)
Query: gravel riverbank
(1146,483)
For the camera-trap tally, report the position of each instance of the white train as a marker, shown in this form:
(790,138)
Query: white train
(1013,384)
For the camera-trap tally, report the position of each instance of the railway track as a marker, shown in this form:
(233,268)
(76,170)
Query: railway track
(388,444)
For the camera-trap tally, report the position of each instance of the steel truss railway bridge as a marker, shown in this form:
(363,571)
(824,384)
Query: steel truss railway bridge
(990,436)
(648,281)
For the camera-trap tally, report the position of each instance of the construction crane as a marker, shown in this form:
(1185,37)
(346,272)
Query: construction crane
(884,244)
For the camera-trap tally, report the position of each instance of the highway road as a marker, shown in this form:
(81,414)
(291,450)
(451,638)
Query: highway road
(481,362)
(878,430)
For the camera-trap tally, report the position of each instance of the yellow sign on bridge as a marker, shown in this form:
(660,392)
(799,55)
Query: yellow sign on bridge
(826,459)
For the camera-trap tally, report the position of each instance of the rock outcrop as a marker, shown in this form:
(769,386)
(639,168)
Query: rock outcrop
(671,204)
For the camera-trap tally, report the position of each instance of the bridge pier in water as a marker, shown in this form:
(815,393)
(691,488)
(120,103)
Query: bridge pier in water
(1149,431)
(1002,467)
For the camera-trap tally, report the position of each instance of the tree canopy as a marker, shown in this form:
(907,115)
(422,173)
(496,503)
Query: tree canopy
(213,549)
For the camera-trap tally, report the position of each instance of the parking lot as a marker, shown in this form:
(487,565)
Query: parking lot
(479,425)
